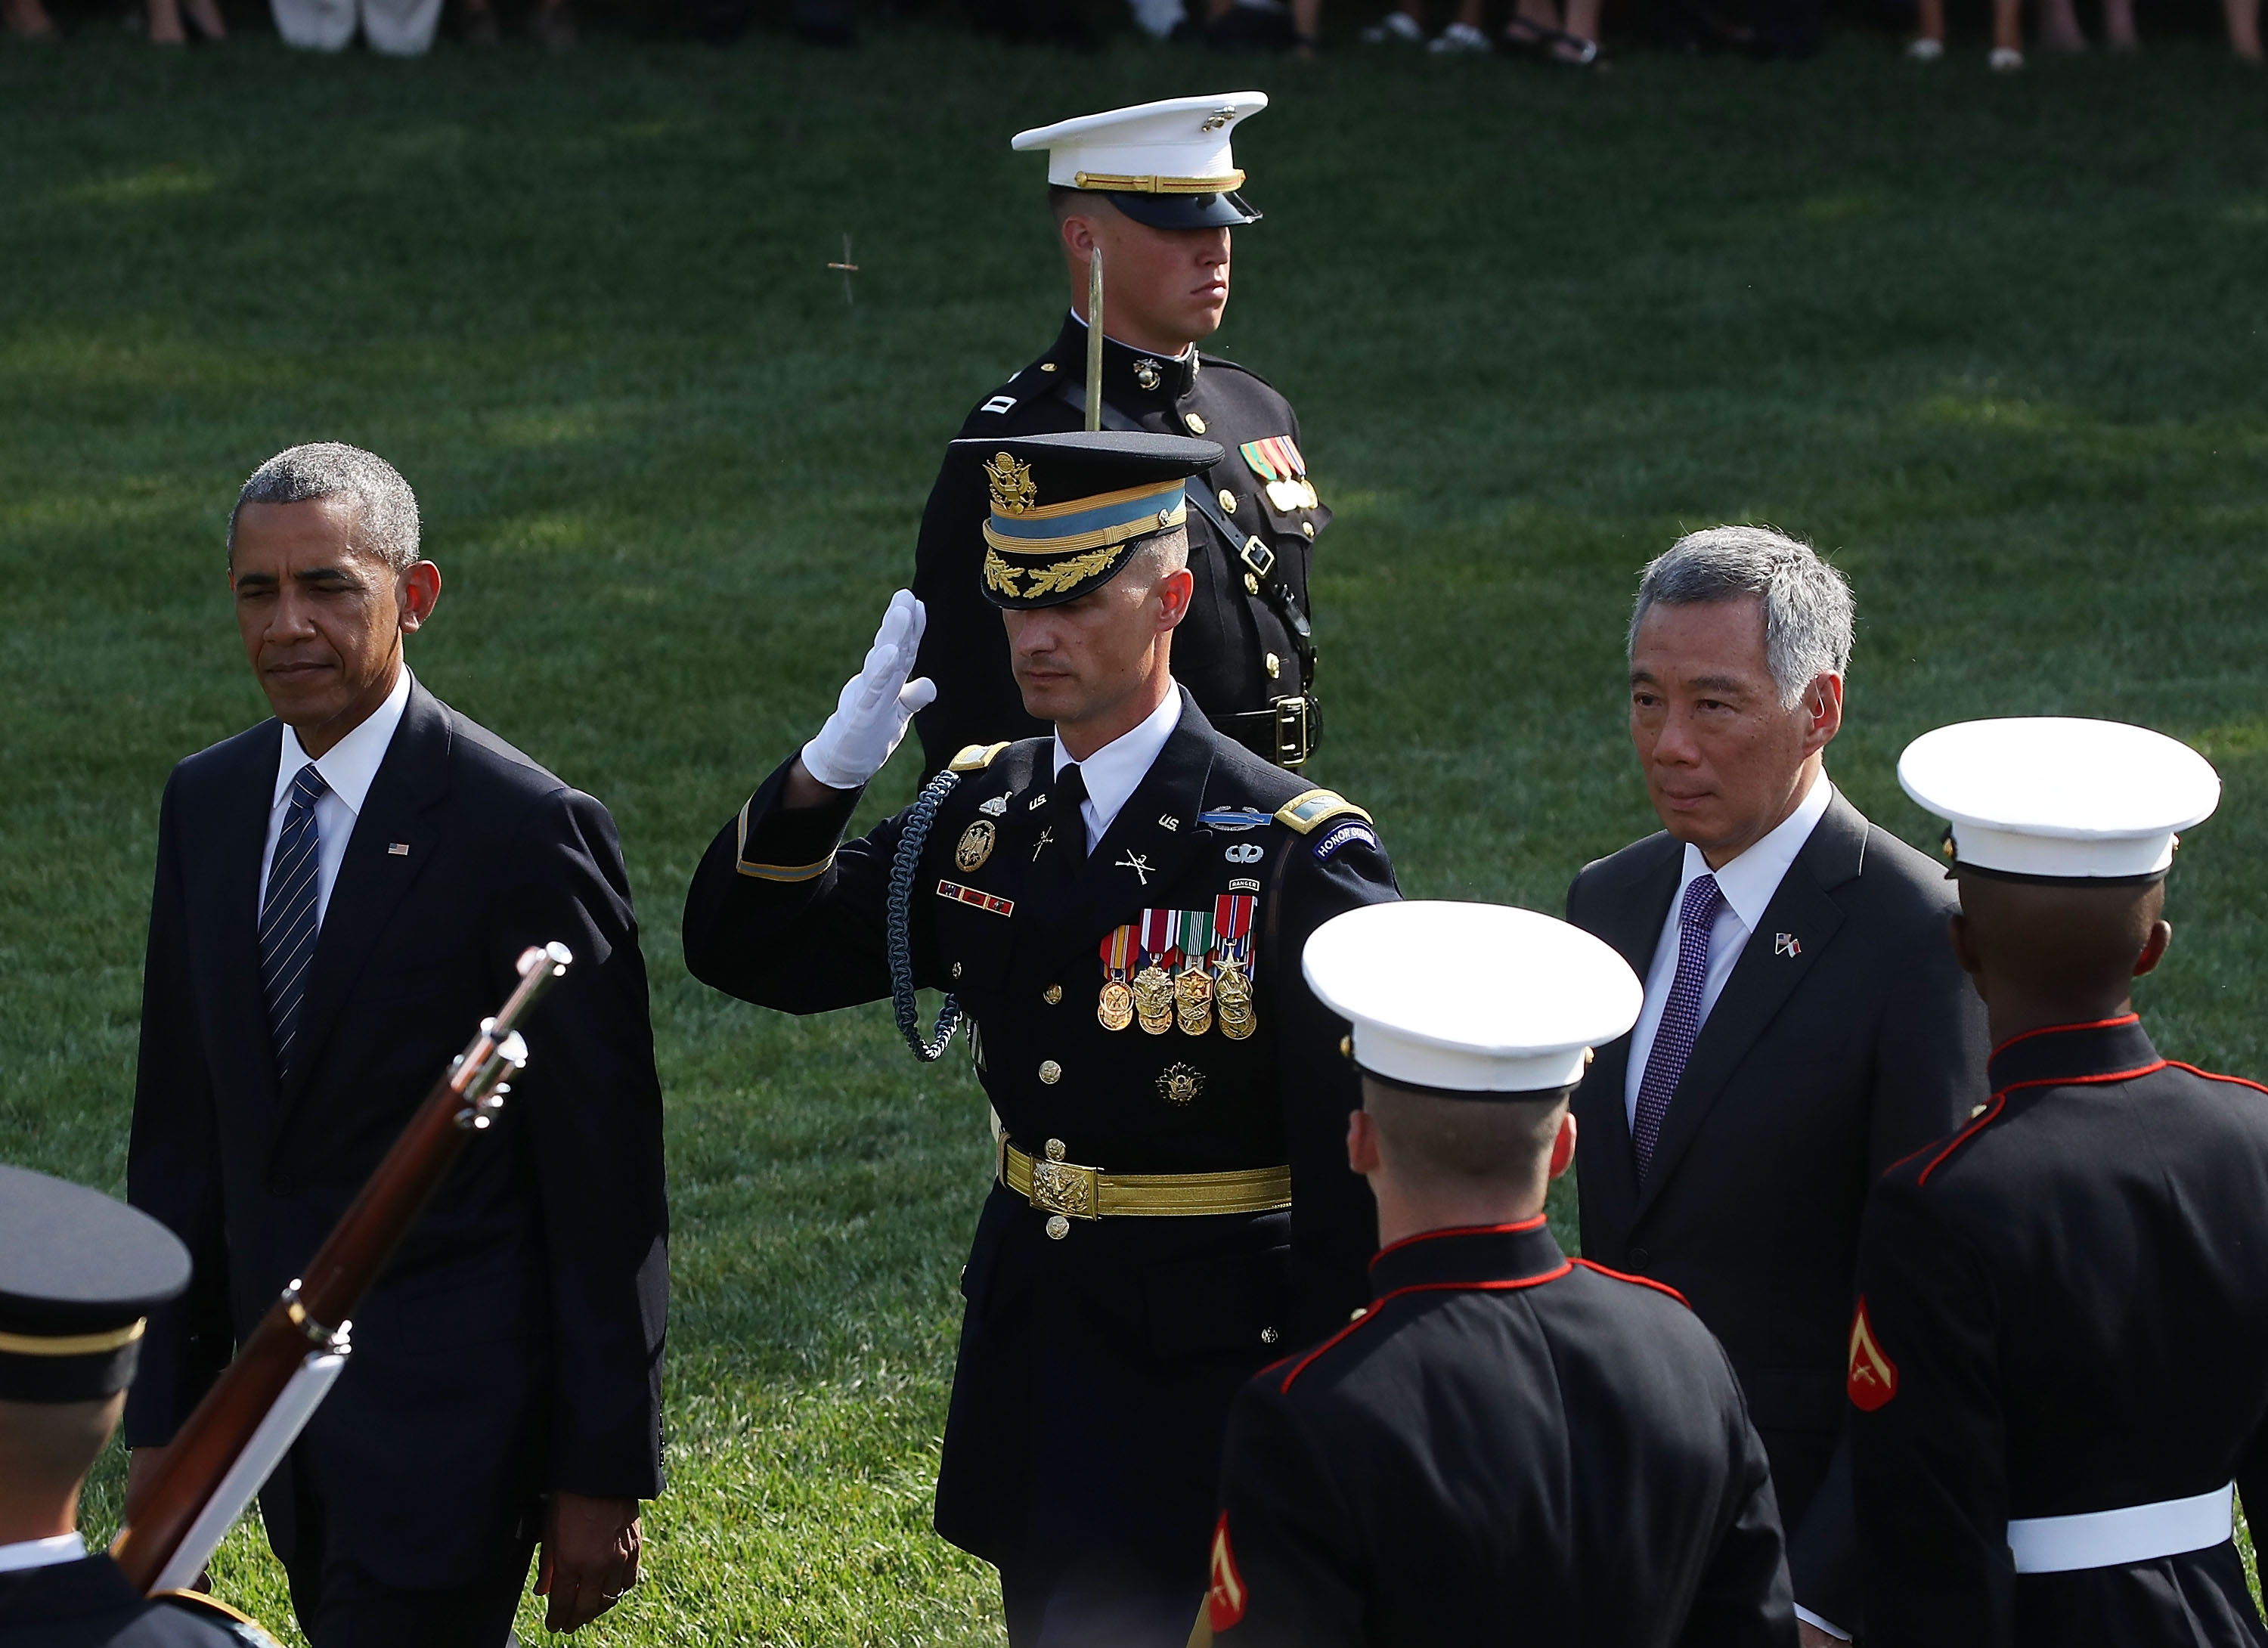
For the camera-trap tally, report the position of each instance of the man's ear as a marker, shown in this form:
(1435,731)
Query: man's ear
(418,592)
(1963,938)
(1362,1142)
(2154,947)
(1176,591)
(1562,1147)
(1822,709)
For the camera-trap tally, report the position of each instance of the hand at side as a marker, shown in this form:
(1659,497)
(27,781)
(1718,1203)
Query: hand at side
(591,1551)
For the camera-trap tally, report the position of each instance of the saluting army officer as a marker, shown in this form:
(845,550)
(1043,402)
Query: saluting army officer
(2059,1358)
(1119,909)
(1155,188)
(80,1275)
(1505,1445)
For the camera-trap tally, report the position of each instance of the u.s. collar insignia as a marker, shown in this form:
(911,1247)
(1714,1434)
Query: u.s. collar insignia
(993,808)
(1148,373)
(976,845)
(1013,491)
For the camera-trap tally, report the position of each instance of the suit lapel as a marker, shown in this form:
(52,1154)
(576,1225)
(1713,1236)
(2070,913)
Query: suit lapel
(1767,974)
(373,879)
(1140,854)
(1634,916)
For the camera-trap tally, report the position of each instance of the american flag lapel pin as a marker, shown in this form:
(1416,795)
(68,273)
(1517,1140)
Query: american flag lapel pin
(1786,944)
(397,850)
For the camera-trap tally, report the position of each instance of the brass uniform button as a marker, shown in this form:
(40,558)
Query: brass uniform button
(1050,1072)
(1360,1310)
(1275,669)
(956,970)
(1978,1111)
(1346,1047)
(1047,365)
(1058,1227)
(1251,585)
(1196,423)
(1307,528)
(1054,1148)
(1228,500)
(1052,994)
(1267,1335)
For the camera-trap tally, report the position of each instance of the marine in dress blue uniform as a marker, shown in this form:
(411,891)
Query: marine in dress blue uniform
(80,1275)
(2058,1363)
(1245,652)
(1171,1206)
(1505,1445)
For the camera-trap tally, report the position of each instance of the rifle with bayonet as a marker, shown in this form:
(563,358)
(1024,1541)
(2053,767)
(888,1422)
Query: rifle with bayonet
(239,1432)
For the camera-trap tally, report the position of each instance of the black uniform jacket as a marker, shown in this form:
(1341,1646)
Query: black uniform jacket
(89,1604)
(1510,1446)
(514,1342)
(1222,649)
(2066,1310)
(1112,1353)
(1846,1036)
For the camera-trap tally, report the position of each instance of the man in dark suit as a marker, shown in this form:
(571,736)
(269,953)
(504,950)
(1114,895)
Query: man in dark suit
(340,893)
(1805,1024)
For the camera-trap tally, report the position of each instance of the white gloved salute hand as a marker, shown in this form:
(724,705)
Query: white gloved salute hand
(871,716)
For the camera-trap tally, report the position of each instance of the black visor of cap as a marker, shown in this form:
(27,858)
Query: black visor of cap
(79,1272)
(1230,211)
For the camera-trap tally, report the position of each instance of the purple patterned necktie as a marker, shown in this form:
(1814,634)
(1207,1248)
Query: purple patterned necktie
(1680,1017)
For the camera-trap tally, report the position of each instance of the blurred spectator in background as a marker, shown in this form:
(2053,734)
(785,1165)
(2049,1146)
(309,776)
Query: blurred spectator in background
(27,20)
(165,22)
(551,25)
(1406,25)
(399,28)
(1252,25)
(1536,29)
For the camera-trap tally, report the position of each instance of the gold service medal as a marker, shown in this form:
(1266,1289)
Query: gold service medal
(1114,1008)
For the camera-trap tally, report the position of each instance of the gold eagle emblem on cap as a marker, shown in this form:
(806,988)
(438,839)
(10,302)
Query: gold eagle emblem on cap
(1013,491)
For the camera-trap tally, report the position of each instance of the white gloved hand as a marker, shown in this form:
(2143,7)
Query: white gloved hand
(871,716)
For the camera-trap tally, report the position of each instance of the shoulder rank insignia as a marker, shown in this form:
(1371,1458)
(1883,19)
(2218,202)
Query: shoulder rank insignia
(1225,1596)
(978,757)
(1874,1378)
(1302,812)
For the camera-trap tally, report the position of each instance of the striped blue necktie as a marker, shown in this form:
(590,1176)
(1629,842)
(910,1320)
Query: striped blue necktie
(288,915)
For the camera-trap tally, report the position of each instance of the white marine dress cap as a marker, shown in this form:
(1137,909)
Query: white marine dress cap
(1168,163)
(1476,1000)
(2059,798)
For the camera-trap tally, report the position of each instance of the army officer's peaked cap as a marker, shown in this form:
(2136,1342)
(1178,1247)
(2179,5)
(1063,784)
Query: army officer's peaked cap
(1168,164)
(80,1275)
(1471,1001)
(2058,799)
(1068,511)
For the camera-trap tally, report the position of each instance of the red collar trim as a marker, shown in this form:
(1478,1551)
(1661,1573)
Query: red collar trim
(2216,1075)
(1457,1230)
(2061,1029)
(1378,1305)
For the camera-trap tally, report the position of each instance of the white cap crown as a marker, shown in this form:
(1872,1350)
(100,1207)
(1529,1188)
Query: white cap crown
(1478,999)
(1178,146)
(2060,798)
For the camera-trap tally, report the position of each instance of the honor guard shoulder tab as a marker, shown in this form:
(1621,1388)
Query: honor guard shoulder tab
(978,757)
(1303,811)
(235,1627)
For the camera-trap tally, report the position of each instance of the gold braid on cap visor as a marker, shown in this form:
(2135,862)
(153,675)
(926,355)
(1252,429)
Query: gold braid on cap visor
(70,1344)
(1114,183)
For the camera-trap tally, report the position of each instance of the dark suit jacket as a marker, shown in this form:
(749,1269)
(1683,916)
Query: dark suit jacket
(514,1342)
(1813,1072)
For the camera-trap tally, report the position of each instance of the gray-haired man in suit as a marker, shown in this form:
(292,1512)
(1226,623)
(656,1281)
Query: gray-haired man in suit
(1805,1023)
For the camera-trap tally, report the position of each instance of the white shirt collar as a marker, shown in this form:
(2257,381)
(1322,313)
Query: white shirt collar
(349,766)
(41,1553)
(1751,879)
(1113,772)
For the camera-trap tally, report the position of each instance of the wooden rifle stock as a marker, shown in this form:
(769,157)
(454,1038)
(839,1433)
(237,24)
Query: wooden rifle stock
(312,1315)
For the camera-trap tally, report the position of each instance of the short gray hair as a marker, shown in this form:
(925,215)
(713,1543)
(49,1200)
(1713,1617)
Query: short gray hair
(1808,605)
(385,509)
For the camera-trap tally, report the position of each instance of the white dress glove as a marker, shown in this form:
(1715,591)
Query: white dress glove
(871,716)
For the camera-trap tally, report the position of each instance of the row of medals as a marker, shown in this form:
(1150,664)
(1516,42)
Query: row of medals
(1160,1000)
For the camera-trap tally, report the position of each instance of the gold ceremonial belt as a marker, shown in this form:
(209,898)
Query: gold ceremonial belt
(1056,1186)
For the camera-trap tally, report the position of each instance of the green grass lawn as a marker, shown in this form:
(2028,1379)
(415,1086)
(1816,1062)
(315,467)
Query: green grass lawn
(1995,342)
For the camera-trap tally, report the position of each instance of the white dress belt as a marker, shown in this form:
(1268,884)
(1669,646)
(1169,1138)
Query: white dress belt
(2112,1538)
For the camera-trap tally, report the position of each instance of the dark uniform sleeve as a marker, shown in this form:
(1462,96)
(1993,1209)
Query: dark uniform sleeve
(592,1104)
(964,647)
(1286,1572)
(173,1164)
(1745,1601)
(784,913)
(1930,1462)
(1929,1071)
(1334,1220)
